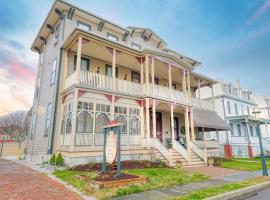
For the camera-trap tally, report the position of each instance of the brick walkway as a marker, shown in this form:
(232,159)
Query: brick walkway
(18,182)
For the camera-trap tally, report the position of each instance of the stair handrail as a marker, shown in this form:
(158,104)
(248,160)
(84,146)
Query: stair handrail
(197,150)
(181,150)
(162,149)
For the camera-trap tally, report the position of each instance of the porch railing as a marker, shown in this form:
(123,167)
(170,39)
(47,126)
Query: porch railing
(213,144)
(181,150)
(197,150)
(65,140)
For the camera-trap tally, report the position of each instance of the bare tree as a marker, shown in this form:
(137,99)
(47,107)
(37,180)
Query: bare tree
(15,124)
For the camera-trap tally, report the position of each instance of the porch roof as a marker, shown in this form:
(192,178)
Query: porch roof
(248,118)
(209,120)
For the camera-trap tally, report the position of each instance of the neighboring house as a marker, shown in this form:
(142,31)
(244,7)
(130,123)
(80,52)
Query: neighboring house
(92,71)
(235,105)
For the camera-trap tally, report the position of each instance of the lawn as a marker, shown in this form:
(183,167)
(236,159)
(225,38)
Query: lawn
(243,164)
(158,177)
(216,190)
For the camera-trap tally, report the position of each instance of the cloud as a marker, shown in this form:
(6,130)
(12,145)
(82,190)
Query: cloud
(259,12)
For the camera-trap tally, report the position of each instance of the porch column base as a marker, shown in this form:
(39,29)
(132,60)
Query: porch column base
(250,151)
(228,151)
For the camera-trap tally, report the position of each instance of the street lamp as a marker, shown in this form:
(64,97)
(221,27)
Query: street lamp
(256,113)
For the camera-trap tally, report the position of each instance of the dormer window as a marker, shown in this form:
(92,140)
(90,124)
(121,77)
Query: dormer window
(136,46)
(112,37)
(84,26)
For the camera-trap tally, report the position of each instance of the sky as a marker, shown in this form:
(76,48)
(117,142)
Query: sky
(229,37)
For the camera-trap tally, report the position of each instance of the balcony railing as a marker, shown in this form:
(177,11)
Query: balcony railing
(127,87)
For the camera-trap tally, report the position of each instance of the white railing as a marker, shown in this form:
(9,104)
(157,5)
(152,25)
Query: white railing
(128,87)
(162,149)
(181,150)
(95,80)
(162,92)
(83,139)
(197,150)
(125,139)
(70,80)
(212,144)
(179,96)
(65,140)
(134,140)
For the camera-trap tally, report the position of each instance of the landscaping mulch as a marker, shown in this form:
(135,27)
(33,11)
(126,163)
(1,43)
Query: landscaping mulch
(140,164)
(112,177)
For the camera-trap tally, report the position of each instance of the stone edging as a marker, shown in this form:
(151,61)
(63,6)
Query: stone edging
(241,192)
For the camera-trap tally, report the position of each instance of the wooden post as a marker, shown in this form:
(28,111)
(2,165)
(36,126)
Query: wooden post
(147,74)
(204,147)
(78,61)
(187,134)
(153,75)
(147,122)
(213,97)
(170,80)
(154,119)
(172,123)
(142,123)
(199,88)
(74,119)
(141,75)
(192,125)
(113,69)
(188,83)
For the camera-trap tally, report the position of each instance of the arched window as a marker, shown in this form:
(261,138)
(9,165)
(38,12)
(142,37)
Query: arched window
(134,124)
(101,120)
(69,123)
(122,119)
(84,122)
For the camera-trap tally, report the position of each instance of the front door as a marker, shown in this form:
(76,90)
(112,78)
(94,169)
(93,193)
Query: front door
(159,126)
(176,128)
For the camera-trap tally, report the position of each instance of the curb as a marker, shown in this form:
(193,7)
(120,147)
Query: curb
(241,193)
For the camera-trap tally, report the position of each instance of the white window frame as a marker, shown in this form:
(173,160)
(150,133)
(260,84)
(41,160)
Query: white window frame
(136,46)
(53,72)
(112,37)
(56,34)
(48,119)
(84,26)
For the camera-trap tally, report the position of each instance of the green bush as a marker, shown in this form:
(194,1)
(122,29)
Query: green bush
(60,160)
(52,159)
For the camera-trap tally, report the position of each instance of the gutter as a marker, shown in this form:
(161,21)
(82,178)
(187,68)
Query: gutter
(50,150)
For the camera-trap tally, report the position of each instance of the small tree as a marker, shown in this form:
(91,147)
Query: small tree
(60,160)
(52,159)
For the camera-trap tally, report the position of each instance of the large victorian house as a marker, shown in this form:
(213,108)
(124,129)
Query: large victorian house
(92,71)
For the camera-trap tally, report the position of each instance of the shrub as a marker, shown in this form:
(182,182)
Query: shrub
(60,160)
(52,159)
(217,161)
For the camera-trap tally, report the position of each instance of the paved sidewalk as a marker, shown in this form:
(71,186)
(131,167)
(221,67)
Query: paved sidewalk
(163,193)
(18,182)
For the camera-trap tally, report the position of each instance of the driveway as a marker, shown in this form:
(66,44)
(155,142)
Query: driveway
(18,182)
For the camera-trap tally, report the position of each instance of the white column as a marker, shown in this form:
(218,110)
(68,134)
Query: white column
(199,88)
(147,74)
(65,64)
(74,119)
(154,119)
(172,123)
(188,83)
(78,61)
(147,122)
(142,77)
(170,80)
(266,127)
(204,147)
(153,76)
(192,126)
(113,68)
(212,92)
(187,134)
(184,86)
(112,108)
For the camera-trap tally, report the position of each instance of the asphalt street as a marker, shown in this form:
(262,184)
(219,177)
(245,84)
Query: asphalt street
(260,195)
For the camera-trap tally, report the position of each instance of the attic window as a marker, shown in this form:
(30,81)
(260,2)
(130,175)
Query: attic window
(83,26)
(136,46)
(112,37)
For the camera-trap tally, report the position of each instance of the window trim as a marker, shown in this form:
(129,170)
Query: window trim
(85,24)
(48,119)
(113,36)
(134,45)
(53,71)
(82,58)
(110,66)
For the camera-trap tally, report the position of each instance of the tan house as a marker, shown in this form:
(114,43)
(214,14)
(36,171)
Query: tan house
(92,71)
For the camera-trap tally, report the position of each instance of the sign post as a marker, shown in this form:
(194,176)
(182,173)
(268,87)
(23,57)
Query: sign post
(112,146)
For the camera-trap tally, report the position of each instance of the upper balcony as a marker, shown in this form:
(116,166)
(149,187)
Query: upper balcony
(104,66)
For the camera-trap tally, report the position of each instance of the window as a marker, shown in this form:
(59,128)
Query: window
(33,126)
(134,125)
(37,87)
(41,55)
(236,109)
(248,111)
(48,118)
(112,37)
(229,107)
(251,130)
(120,110)
(258,131)
(136,46)
(56,34)
(232,131)
(135,77)
(108,71)
(239,129)
(84,122)
(242,109)
(102,119)
(102,108)
(84,63)
(69,123)
(83,26)
(53,73)
(174,86)
(121,119)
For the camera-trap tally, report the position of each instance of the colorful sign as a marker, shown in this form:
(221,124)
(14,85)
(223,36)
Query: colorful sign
(111,147)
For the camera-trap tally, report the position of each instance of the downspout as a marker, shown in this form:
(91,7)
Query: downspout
(56,103)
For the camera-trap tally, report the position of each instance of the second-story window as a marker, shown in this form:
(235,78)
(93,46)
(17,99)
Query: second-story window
(236,109)
(257,131)
(251,130)
(48,119)
(56,34)
(112,37)
(84,26)
(136,46)
(53,73)
(108,71)
(229,107)
(232,131)
(239,129)
(84,63)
